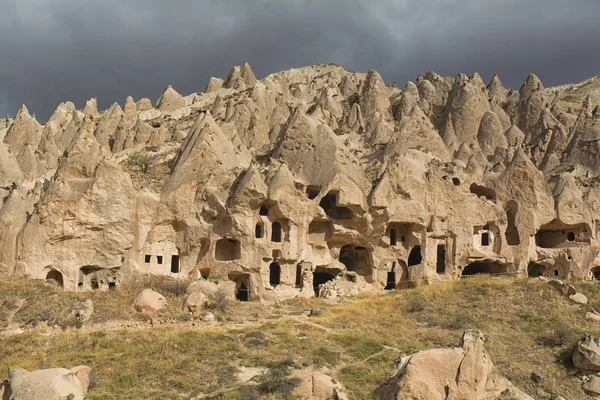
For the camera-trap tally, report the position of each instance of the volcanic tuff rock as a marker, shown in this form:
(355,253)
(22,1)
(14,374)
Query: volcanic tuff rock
(280,185)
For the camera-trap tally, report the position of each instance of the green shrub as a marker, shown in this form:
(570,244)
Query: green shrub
(276,381)
(416,304)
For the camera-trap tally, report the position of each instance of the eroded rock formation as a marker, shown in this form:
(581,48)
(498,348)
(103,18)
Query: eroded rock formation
(282,184)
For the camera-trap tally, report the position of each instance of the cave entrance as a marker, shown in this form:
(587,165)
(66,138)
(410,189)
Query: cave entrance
(357,259)
(320,277)
(535,270)
(391,278)
(440,265)
(512,233)
(329,204)
(596,273)
(228,250)
(415,257)
(274,274)
(483,267)
(54,277)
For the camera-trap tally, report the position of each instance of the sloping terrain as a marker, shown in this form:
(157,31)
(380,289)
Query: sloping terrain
(528,325)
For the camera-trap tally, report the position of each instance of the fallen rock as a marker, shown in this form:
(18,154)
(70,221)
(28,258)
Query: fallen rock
(586,356)
(207,317)
(593,316)
(465,372)
(48,384)
(537,377)
(83,311)
(210,288)
(316,385)
(317,312)
(149,301)
(579,298)
(592,386)
(12,331)
(194,302)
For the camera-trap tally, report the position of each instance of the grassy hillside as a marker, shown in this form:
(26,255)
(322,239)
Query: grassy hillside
(529,326)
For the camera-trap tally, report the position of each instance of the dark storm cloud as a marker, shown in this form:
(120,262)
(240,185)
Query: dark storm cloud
(57,50)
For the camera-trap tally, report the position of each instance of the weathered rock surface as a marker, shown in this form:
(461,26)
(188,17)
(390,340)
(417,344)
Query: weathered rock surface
(317,385)
(464,372)
(312,181)
(586,355)
(47,384)
(149,301)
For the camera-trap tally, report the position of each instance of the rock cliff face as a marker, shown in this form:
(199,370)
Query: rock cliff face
(285,183)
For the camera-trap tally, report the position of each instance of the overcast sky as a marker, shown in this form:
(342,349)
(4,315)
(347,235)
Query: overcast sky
(58,50)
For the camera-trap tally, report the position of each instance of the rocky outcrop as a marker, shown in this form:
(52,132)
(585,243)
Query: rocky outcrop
(586,356)
(465,372)
(316,180)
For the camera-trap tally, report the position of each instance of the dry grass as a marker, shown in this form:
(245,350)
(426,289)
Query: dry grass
(529,327)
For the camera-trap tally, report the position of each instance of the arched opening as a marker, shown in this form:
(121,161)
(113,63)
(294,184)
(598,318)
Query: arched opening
(356,259)
(329,205)
(456,181)
(391,278)
(274,274)
(259,231)
(415,257)
(596,273)
(440,266)
(320,277)
(535,270)
(276,232)
(228,250)
(512,233)
(299,275)
(242,286)
(571,236)
(264,210)
(54,278)
(483,267)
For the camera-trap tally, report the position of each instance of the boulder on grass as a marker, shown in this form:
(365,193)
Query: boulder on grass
(586,356)
(47,384)
(149,301)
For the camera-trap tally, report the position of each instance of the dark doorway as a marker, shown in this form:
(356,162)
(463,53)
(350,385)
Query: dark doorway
(535,270)
(391,278)
(319,278)
(274,274)
(596,273)
(299,275)
(512,234)
(485,239)
(241,293)
(393,238)
(276,232)
(415,257)
(440,266)
(258,231)
(175,264)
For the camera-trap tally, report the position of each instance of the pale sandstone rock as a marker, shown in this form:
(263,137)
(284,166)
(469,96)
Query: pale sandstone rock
(149,301)
(317,385)
(170,100)
(437,374)
(48,384)
(586,355)
(194,302)
(579,298)
(344,164)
